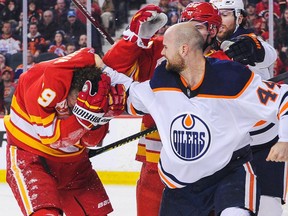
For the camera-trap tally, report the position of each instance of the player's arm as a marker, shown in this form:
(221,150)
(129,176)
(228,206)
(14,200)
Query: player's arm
(80,58)
(135,101)
(279,152)
(124,55)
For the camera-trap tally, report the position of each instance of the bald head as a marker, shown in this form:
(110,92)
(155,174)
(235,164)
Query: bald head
(185,33)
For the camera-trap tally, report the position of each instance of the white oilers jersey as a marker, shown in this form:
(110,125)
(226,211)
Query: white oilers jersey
(201,128)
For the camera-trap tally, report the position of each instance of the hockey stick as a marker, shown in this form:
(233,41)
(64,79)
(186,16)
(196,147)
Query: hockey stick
(98,27)
(280,77)
(94,152)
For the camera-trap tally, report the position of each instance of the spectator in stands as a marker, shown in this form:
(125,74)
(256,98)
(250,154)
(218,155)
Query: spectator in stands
(173,17)
(95,11)
(47,26)
(283,4)
(58,45)
(60,12)
(3,65)
(122,11)
(283,39)
(82,42)
(73,27)
(165,6)
(265,33)
(70,48)
(33,10)
(182,5)
(136,4)
(108,17)
(262,7)
(9,88)
(36,42)
(47,4)
(2,5)
(9,43)
(10,11)
(19,27)
(2,108)
(253,20)
(279,66)
(33,19)
(19,69)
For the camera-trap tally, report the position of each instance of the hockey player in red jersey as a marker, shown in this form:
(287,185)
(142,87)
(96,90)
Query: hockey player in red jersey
(60,107)
(139,62)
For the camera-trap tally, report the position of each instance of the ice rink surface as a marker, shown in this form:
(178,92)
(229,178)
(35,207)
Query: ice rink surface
(121,197)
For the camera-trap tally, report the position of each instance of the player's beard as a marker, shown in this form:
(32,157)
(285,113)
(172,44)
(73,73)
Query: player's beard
(224,33)
(176,65)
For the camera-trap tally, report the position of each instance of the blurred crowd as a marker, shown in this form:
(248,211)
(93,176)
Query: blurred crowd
(57,28)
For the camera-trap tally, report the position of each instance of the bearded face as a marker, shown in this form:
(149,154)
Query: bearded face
(224,33)
(228,25)
(175,63)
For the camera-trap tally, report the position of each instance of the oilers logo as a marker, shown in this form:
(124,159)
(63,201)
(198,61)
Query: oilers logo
(190,137)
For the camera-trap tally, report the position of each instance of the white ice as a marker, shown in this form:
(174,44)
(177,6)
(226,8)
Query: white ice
(121,197)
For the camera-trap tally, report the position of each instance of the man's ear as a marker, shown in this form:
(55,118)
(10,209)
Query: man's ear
(240,19)
(183,50)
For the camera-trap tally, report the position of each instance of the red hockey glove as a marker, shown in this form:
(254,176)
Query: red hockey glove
(117,100)
(144,24)
(90,108)
(246,49)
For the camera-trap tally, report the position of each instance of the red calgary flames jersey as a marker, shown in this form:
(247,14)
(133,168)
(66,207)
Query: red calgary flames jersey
(40,120)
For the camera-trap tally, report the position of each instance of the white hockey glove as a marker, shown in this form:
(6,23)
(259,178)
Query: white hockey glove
(144,24)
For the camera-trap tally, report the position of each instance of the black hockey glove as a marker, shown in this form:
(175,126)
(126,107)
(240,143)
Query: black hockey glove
(246,49)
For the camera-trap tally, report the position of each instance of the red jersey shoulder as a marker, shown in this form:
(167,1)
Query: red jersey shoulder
(219,54)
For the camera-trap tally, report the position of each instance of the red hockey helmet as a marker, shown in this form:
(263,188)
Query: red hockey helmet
(202,12)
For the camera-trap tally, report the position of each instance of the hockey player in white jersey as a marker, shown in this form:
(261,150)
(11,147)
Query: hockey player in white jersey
(240,44)
(212,104)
